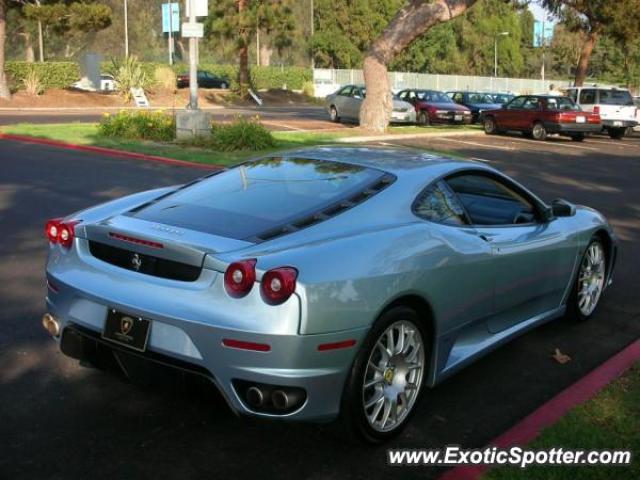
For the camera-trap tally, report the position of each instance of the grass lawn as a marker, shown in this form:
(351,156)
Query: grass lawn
(611,420)
(86,134)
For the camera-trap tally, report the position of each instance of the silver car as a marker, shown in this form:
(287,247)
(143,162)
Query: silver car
(323,281)
(346,102)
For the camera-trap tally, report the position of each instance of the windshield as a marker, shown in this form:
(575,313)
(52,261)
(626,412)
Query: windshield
(258,196)
(562,104)
(615,97)
(480,98)
(433,96)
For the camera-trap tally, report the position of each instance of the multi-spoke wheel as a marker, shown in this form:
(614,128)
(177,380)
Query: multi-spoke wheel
(387,376)
(590,282)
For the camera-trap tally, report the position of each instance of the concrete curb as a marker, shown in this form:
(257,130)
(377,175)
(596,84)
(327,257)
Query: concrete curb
(550,412)
(110,151)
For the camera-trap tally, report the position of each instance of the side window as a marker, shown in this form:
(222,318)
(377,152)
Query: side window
(573,95)
(457,97)
(588,97)
(516,103)
(437,203)
(489,201)
(402,95)
(532,103)
(346,91)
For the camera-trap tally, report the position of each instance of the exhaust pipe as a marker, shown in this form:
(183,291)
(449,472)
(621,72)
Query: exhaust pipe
(283,400)
(255,397)
(51,324)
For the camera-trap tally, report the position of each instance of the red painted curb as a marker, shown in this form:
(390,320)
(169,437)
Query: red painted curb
(109,151)
(549,413)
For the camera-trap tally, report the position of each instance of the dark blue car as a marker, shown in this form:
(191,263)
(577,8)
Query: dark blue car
(479,102)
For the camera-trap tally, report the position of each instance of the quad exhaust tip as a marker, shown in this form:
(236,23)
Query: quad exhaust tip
(51,324)
(273,399)
(255,397)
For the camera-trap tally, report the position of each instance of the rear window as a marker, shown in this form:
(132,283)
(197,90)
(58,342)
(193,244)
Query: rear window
(561,104)
(256,197)
(615,97)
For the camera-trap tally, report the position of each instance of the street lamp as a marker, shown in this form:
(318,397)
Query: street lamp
(495,52)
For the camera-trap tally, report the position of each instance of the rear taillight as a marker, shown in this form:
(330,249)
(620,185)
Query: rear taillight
(596,110)
(61,232)
(240,277)
(278,285)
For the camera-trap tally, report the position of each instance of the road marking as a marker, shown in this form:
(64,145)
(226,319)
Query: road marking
(284,125)
(475,144)
(612,143)
(552,143)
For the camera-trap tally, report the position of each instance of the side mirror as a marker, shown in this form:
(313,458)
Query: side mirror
(562,208)
(357,97)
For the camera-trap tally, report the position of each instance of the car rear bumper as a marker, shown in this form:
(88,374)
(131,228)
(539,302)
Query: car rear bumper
(619,123)
(452,119)
(190,321)
(572,127)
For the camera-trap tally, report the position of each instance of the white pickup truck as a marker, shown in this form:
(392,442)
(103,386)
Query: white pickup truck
(615,106)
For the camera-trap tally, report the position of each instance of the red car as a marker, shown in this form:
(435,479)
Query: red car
(539,115)
(435,107)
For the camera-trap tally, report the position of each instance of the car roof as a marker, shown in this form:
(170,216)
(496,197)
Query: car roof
(400,161)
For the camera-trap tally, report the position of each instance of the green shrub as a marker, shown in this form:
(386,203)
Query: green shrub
(241,134)
(32,83)
(51,74)
(155,126)
(165,78)
(129,74)
(308,89)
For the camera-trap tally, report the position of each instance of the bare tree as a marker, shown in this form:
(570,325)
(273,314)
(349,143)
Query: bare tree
(414,19)
(4,87)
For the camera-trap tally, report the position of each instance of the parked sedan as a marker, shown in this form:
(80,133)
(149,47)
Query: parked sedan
(322,281)
(345,105)
(205,80)
(477,102)
(539,115)
(435,107)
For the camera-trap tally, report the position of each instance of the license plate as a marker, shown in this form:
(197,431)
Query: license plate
(580,119)
(617,123)
(457,118)
(127,330)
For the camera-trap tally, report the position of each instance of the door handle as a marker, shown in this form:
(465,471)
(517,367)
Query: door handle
(486,238)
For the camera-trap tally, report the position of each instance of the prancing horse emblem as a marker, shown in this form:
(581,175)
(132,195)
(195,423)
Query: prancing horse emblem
(126,323)
(136,262)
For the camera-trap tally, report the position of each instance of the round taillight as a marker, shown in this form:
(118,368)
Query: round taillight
(278,285)
(66,233)
(51,230)
(240,277)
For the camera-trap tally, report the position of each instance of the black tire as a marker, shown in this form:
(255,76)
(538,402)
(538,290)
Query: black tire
(490,126)
(333,114)
(423,119)
(578,137)
(353,411)
(574,312)
(538,131)
(617,133)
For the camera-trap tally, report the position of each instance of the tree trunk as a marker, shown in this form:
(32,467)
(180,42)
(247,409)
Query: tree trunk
(29,53)
(415,18)
(243,70)
(585,56)
(4,87)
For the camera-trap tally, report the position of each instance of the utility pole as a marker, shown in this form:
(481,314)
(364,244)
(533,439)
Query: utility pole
(170,33)
(193,61)
(126,31)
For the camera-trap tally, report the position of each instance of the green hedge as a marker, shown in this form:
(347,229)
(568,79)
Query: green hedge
(52,74)
(63,74)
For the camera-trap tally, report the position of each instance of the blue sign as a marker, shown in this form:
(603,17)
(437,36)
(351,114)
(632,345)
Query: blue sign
(542,33)
(170,22)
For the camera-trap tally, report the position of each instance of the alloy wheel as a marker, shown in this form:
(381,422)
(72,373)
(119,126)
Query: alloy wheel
(393,376)
(591,279)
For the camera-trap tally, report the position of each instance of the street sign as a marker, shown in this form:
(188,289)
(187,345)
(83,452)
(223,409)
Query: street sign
(193,30)
(200,7)
(542,33)
(170,23)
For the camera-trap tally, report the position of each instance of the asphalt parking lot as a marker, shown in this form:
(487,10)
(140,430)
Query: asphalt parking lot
(61,420)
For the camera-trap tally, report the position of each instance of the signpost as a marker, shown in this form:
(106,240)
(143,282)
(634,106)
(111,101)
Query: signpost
(170,24)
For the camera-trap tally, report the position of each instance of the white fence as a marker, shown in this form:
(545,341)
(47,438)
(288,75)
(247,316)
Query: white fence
(325,79)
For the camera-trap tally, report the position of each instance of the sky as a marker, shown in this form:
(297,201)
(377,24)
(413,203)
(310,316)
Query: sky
(538,12)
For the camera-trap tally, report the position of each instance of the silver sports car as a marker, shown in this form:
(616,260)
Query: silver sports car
(324,281)
(345,104)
